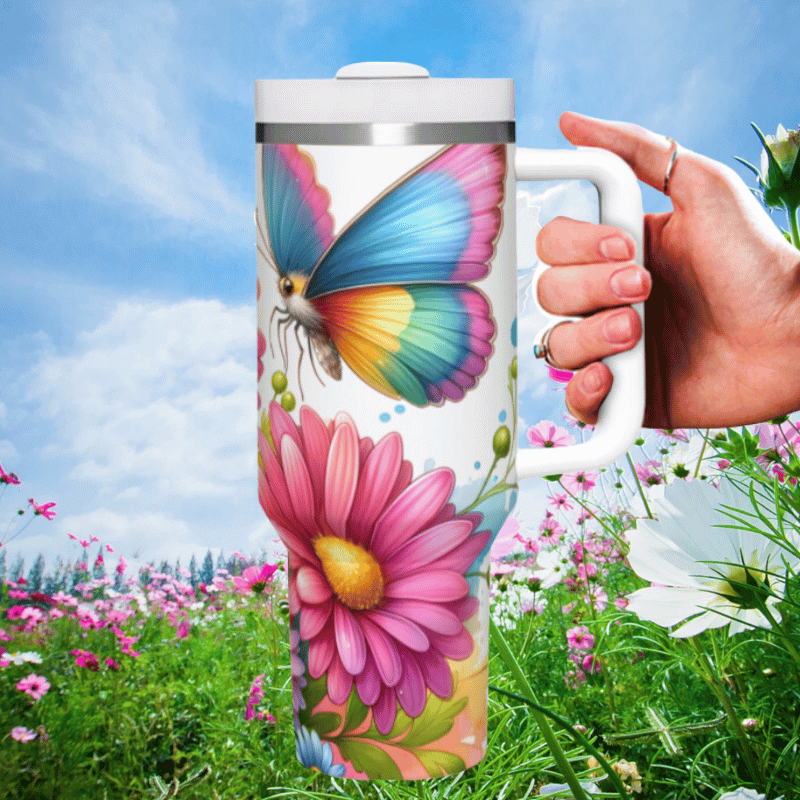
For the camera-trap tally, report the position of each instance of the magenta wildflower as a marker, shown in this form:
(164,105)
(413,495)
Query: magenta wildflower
(591,665)
(254,579)
(580,638)
(256,695)
(44,510)
(8,477)
(580,481)
(22,734)
(560,501)
(34,685)
(648,473)
(111,664)
(86,659)
(551,530)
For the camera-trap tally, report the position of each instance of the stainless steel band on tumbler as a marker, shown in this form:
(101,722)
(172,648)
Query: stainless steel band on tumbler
(385,133)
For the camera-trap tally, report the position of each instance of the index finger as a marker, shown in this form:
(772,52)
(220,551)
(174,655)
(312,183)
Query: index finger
(647,153)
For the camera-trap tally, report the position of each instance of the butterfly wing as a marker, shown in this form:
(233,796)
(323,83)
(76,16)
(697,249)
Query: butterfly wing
(437,224)
(296,208)
(392,287)
(426,343)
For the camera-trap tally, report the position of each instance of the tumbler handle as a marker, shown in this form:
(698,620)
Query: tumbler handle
(621,414)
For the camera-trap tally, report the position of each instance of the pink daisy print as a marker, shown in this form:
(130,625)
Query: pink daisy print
(376,561)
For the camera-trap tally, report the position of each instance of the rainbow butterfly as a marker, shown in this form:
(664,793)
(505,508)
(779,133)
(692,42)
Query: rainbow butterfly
(390,294)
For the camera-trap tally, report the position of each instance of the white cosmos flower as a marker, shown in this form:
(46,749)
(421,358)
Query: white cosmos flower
(671,552)
(553,568)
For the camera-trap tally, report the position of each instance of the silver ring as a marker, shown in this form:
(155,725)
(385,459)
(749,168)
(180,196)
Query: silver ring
(542,350)
(672,159)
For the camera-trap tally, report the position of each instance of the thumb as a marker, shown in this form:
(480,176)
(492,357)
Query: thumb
(647,153)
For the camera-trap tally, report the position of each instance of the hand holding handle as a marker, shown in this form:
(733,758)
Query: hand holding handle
(622,412)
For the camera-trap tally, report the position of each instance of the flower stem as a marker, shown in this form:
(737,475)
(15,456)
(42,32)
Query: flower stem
(639,485)
(791,211)
(708,675)
(702,450)
(544,726)
(779,629)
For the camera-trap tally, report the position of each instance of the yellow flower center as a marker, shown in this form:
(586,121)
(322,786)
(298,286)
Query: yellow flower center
(352,572)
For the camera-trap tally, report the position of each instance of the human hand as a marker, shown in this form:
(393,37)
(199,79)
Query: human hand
(722,292)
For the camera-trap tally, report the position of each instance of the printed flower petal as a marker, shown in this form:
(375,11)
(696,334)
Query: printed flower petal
(313,619)
(378,476)
(298,482)
(462,559)
(410,691)
(384,711)
(401,628)
(368,682)
(387,659)
(280,425)
(433,616)
(437,673)
(320,652)
(312,586)
(350,644)
(340,681)
(456,647)
(437,586)
(316,442)
(426,547)
(341,479)
(411,511)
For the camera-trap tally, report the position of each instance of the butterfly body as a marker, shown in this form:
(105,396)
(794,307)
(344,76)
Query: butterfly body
(391,294)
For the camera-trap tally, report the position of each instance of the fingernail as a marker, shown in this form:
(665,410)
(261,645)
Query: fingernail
(590,381)
(628,282)
(615,248)
(617,329)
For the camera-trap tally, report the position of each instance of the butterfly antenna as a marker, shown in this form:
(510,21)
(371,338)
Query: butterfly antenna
(299,360)
(271,316)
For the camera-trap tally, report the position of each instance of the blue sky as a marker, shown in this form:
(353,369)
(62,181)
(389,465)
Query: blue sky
(127,264)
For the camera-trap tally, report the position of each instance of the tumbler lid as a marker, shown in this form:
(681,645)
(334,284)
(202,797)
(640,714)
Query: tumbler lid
(384,92)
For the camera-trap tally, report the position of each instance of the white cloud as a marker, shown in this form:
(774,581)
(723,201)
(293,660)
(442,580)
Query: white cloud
(114,115)
(157,398)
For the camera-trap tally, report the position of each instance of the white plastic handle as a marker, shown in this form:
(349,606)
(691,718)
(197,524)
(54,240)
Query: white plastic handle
(622,412)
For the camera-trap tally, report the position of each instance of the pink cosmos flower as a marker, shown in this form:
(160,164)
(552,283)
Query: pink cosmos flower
(254,579)
(34,685)
(376,561)
(86,659)
(45,509)
(22,734)
(677,435)
(111,664)
(580,481)
(109,548)
(546,434)
(8,477)
(17,594)
(591,665)
(580,638)
(551,530)
(560,501)
(648,472)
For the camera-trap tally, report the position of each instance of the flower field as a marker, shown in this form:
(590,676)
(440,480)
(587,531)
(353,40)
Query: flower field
(645,639)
